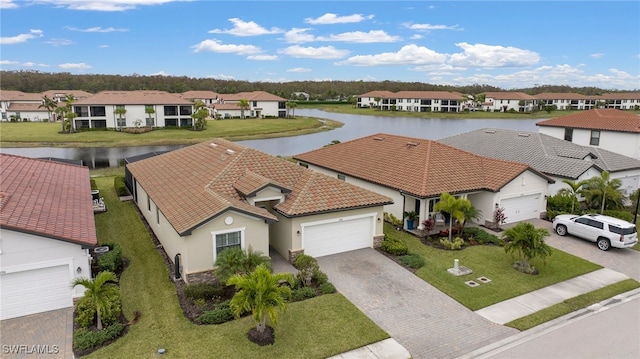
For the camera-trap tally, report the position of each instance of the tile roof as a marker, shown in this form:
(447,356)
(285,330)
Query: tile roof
(608,119)
(45,198)
(547,154)
(133,98)
(446,95)
(78,94)
(199,95)
(26,106)
(564,96)
(252,96)
(8,95)
(508,96)
(250,183)
(381,94)
(194,184)
(621,96)
(421,167)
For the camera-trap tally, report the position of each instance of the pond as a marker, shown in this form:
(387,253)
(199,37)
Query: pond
(355,126)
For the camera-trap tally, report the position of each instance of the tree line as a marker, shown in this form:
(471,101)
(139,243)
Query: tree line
(36,82)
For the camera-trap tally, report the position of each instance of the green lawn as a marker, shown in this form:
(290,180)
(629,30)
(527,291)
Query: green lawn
(32,134)
(493,263)
(315,328)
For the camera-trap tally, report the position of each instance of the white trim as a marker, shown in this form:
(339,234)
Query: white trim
(333,220)
(213,237)
(523,194)
(265,199)
(39,265)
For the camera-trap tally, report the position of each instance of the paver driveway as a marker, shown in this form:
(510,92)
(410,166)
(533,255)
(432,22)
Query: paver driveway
(420,317)
(42,335)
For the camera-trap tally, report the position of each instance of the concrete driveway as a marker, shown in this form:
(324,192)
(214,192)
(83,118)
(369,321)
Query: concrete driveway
(424,320)
(621,260)
(43,335)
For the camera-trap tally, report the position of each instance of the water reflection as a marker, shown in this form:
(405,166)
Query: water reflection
(355,126)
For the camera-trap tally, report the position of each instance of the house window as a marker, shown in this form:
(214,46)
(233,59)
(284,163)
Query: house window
(568,134)
(303,164)
(227,240)
(185,110)
(157,215)
(148,203)
(171,110)
(595,138)
(341,177)
(98,111)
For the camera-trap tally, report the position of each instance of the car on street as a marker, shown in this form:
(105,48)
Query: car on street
(605,231)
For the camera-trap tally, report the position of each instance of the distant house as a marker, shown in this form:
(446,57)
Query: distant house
(554,157)
(204,198)
(414,172)
(622,100)
(610,129)
(509,101)
(46,231)
(61,95)
(261,104)
(99,110)
(568,101)
(413,101)
(21,106)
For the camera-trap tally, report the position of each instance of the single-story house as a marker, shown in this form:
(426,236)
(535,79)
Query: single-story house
(46,231)
(554,157)
(607,128)
(201,199)
(414,172)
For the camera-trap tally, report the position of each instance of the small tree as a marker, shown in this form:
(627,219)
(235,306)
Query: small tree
(120,111)
(527,242)
(291,106)
(455,207)
(261,293)
(99,291)
(573,191)
(244,106)
(49,104)
(149,110)
(602,190)
(307,266)
(499,217)
(236,261)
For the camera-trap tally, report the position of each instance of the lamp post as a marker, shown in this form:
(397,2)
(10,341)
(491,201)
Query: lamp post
(635,218)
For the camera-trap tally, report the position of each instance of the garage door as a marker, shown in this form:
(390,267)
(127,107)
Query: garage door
(338,236)
(629,184)
(35,291)
(521,208)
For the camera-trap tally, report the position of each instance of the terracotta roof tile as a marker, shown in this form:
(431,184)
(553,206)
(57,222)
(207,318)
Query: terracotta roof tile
(417,166)
(133,98)
(445,95)
(507,95)
(8,95)
(598,119)
(196,183)
(46,198)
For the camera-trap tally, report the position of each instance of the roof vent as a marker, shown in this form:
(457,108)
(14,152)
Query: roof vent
(412,144)
(213,144)
(378,138)
(523,135)
(490,131)
(230,151)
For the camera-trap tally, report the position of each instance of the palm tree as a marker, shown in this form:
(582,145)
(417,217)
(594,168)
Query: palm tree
(60,112)
(244,105)
(149,110)
(291,105)
(48,104)
(68,108)
(455,207)
(527,241)
(99,291)
(261,293)
(236,261)
(120,111)
(573,191)
(377,100)
(71,116)
(199,117)
(471,213)
(604,188)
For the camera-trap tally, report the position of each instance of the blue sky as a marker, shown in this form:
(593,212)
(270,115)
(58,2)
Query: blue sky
(509,44)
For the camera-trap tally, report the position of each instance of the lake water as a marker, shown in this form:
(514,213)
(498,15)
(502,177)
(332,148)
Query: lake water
(355,126)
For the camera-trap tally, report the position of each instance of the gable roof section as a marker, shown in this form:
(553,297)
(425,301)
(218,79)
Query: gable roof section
(251,183)
(199,95)
(607,119)
(564,96)
(194,184)
(252,96)
(420,167)
(545,153)
(10,95)
(45,198)
(133,98)
(508,96)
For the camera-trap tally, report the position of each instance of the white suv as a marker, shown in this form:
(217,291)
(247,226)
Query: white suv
(606,231)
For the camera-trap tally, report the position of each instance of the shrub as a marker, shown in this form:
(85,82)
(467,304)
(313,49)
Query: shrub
(454,244)
(623,215)
(112,260)
(320,277)
(84,339)
(327,288)
(219,315)
(412,260)
(482,237)
(307,266)
(94,186)
(204,291)
(302,293)
(560,203)
(120,186)
(236,261)
(394,246)
(86,312)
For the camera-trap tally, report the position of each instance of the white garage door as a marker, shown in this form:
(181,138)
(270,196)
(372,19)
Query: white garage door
(521,208)
(339,236)
(629,184)
(35,291)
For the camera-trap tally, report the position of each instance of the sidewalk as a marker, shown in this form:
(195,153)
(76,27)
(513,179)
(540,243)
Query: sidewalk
(532,302)
(386,349)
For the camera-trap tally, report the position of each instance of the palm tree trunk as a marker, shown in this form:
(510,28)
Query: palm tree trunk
(604,195)
(262,324)
(99,318)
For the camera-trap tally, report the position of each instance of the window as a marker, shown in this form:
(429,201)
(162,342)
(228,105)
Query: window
(98,111)
(568,134)
(148,203)
(171,110)
(596,224)
(595,138)
(157,215)
(584,221)
(81,111)
(171,122)
(185,110)
(228,240)
(341,177)
(255,103)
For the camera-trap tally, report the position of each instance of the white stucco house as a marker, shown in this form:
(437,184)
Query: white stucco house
(509,101)
(414,172)
(554,157)
(46,231)
(413,101)
(261,105)
(610,129)
(201,199)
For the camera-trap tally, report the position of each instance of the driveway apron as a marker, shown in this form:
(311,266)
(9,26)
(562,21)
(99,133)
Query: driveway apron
(420,317)
(42,335)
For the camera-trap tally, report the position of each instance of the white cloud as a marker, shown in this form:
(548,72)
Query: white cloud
(597,55)
(104,5)
(97,29)
(416,37)
(18,39)
(408,54)
(328,19)
(246,28)
(372,36)
(488,56)
(221,77)
(298,35)
(8,62)
(160,73)
(22,64)
(75,66)
(103,46)
(217,46)
(8,4)
(430,27)
(262,57)
(323,52)
(299,70)
(59,42)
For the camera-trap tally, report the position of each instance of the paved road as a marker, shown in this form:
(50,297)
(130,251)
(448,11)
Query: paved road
(612,332)
(625,261)
(421,318)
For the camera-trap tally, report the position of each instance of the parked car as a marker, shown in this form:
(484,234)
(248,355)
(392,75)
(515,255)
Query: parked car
(606,231)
